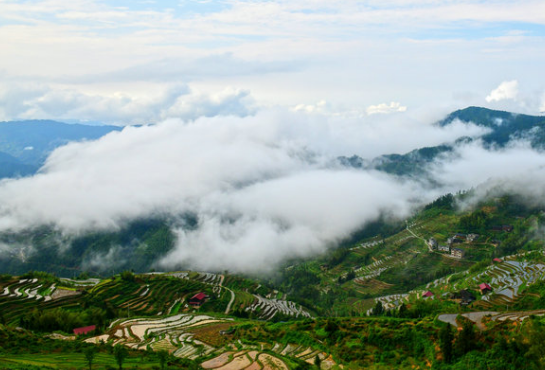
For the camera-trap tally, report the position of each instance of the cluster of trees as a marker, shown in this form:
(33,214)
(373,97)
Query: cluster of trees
(445,202)
(474,222)
(60,319)
(416,310)
(507,349)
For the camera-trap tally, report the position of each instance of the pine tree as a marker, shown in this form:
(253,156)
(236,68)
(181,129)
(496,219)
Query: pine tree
(120,353)
(317,361)
(445,342)
(466,339)
(90,353)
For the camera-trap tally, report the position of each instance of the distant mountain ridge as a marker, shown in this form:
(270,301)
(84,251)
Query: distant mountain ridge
(504,127)
(24,145)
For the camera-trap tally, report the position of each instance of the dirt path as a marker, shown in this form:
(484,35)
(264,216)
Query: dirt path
(419,237)
(232,295)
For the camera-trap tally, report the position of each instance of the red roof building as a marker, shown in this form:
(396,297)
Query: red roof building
(497,260)
(84,330)
(198,299)
(485,287)
(427,294)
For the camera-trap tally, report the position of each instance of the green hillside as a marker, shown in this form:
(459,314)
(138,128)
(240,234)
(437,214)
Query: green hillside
(391,300)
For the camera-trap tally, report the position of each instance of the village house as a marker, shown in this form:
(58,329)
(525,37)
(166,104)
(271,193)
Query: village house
(472,237)
(466,297)
(457,252)
(455,239)
(507,228)
(198,299)
(463,297)
(444,248)
(484,287)
(84,330)
(432,243)
(427,294)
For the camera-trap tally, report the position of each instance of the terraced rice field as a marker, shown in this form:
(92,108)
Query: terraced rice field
(506,279)
(477,317)
(172,333)
(266,309)
(19,296)
(251,357)
(193,336)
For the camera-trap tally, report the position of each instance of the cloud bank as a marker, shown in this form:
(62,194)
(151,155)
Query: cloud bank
(516,169)
(31,101)
(264,188)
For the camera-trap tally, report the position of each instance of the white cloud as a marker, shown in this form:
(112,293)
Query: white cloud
(32,101)
(386,108)
(341,50)
(104,261)
(507,90)
(517,169)
(263,187)
(255,228)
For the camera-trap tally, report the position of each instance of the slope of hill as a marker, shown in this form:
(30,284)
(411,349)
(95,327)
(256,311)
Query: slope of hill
(386,301)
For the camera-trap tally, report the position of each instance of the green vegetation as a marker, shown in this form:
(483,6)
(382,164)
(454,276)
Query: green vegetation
(387,300)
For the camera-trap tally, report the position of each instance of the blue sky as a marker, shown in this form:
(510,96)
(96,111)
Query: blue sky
(59,58)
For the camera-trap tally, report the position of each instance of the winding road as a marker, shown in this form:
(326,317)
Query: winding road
(232,295)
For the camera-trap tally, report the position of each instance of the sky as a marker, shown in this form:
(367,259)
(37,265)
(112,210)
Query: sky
(136,62)
(236,112)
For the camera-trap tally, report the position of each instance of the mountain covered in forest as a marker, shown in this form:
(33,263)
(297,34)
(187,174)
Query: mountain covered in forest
(25,145)
(503,128)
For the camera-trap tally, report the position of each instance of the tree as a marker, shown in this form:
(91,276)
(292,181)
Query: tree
(120,353)
(379,309)
(402,312)
(128,276)
(536,351)
(445,342)
(90,353)
(163,358)
(466,339)
(317,361)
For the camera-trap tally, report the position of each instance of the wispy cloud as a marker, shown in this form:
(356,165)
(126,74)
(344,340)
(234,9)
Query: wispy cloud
(386,108)
(35,101)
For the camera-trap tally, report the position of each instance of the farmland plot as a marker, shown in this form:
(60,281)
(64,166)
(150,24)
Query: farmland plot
(268,308)
(507,278)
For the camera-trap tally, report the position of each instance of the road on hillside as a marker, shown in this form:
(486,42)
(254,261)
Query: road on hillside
(419,237)
(232,295)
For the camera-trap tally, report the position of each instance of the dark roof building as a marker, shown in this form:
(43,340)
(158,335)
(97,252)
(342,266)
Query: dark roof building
(463,297)
(466,297)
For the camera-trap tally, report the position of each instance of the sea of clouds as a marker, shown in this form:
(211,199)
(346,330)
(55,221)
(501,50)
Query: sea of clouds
(265,187)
